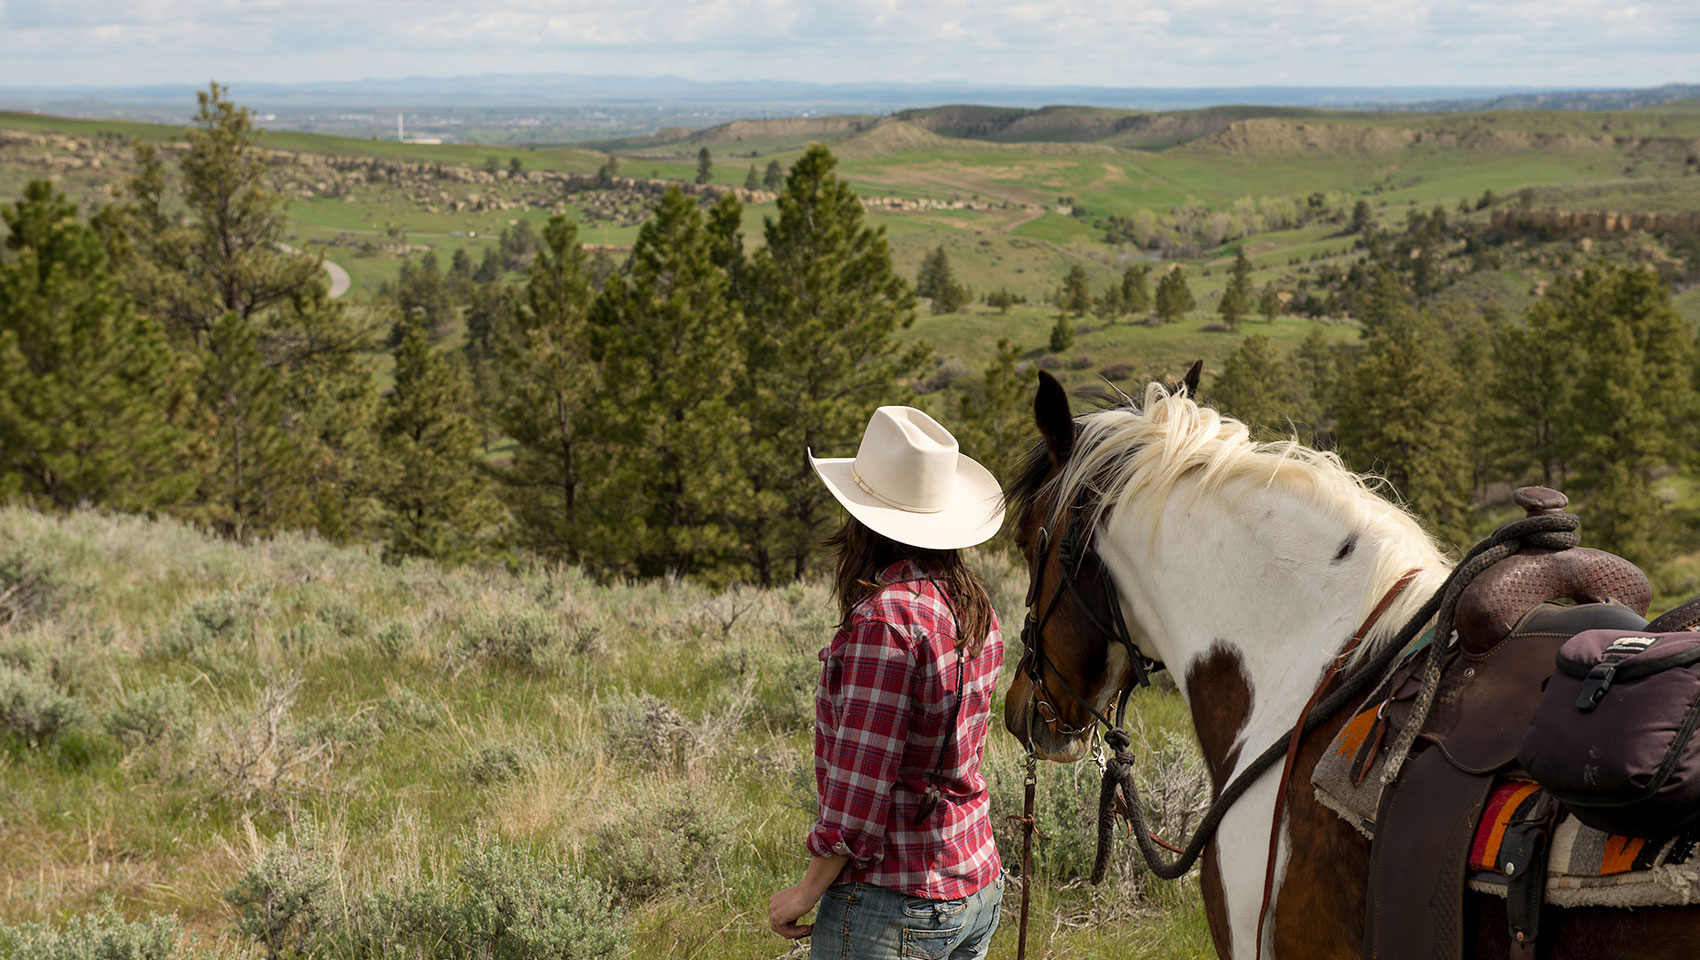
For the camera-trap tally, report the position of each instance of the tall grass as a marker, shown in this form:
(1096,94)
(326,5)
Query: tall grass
(292,749)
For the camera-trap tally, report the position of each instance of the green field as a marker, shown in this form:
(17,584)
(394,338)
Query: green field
(435,705)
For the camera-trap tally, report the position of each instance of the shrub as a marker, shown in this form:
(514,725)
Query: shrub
(33,711)
(647,727)
(502,903)
(214,620)
(498,763)
(99,936)
(29,589)
(1117,371)
(406,708)
(1080,362)
(163,712)
(1048,361)
(520,638)
(394,638)
(659,850)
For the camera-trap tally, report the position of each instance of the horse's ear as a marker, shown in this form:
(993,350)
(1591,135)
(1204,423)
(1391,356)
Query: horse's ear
(1056,423)
(1190,381)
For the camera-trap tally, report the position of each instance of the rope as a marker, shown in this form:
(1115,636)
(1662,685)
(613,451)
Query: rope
(1547,531)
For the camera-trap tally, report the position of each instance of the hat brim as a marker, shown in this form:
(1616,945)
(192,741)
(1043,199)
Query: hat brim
(974,516)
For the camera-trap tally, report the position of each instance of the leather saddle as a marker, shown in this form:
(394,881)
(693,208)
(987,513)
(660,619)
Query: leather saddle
(1510,622)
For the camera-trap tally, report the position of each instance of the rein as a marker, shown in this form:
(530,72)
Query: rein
(1542,531)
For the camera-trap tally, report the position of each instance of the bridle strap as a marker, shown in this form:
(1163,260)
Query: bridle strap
(1297,738)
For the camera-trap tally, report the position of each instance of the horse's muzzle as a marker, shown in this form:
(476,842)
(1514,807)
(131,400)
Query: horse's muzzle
(1022,720)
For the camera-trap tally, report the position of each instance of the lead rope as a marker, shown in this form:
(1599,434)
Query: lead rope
(1027,827)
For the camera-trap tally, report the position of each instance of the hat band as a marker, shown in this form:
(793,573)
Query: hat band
(887,500)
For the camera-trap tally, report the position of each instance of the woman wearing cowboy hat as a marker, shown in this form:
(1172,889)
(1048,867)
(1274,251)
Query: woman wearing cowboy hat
(903,862)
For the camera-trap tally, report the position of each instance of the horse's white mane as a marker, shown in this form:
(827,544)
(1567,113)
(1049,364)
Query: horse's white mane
(1124,456)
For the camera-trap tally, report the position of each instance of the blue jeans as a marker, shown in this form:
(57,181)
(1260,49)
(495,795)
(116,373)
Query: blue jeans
(859,921)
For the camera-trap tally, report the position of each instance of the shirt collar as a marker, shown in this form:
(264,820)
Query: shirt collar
(907,570)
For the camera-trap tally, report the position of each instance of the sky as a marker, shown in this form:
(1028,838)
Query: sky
(1131,43)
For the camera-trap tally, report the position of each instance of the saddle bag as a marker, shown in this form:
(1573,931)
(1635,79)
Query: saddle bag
(1613,736)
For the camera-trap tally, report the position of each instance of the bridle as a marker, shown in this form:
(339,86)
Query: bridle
(1073,551)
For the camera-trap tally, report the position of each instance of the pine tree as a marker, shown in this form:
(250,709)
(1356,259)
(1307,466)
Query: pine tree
(1404,416)
(1633,409)
(668,335)
(91,396)
(437,501)
(422,298)
(993,420)
(546,380)
(705,166)
(1174,296)
(751,180)
(825,307)
(1259,387)
(937,282)
(1269,303)
(1076,291)
(1062,333)
(774,176)
(1108,306)
(1236,297)
(255,482)
(1136,298)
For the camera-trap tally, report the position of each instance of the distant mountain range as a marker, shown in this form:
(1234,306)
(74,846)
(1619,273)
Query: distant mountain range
(560,107)
(511,90)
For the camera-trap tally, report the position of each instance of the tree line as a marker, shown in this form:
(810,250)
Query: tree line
(167,355)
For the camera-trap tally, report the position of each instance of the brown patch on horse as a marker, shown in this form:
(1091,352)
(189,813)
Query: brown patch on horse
(1221,703)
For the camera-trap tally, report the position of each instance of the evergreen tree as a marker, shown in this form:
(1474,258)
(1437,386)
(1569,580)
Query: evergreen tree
(1076,291)
(489,330)
(515,168)
(1136,298)
(937,282)
(1260,388)
(825,307)
(1108,306)
(459,279)
(1633,409)
(1236,297)
(489,267)
(255,482)
(1174,296)
(91,396)
(705,166)
(229,259)
(438,502)
(992,423)
(774,177)
(1269,303)
(546,379)
(751,180)
(1404,417)
(668,336)
(1062,333)
(422,297)
(1362,217)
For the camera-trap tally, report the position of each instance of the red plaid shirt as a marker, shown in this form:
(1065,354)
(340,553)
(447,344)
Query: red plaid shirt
(887,690)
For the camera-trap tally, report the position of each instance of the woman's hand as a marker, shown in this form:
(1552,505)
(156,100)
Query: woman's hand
(788,906)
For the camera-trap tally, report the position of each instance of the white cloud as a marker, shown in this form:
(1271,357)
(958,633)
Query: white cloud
(1136,42)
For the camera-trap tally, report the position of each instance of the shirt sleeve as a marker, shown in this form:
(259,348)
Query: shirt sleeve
(870,693)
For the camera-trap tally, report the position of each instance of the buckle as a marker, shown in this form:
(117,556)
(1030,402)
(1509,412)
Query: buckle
(1595,685)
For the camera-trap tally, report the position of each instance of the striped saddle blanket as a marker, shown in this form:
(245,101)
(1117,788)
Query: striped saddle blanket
(1585,868)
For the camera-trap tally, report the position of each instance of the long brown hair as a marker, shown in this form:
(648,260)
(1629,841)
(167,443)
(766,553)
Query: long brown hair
(860,554)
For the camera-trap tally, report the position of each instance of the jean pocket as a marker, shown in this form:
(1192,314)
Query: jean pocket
(929,944)
(940,911)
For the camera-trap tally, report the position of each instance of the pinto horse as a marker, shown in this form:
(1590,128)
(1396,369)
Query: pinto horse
(1243,567)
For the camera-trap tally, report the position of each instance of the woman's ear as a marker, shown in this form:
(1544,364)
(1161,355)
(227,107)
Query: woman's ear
(1056,423)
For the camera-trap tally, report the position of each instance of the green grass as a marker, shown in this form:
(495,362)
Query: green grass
(161,827)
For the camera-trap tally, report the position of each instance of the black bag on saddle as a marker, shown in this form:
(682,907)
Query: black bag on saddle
(1613,735)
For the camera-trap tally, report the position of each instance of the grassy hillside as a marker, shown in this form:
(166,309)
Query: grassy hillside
(1017,197)
(181,717)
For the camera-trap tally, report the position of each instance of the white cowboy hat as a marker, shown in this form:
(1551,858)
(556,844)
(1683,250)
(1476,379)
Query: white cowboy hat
(909,482)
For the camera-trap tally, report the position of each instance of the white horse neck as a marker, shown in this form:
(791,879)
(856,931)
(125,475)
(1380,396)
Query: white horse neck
(1264,575)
